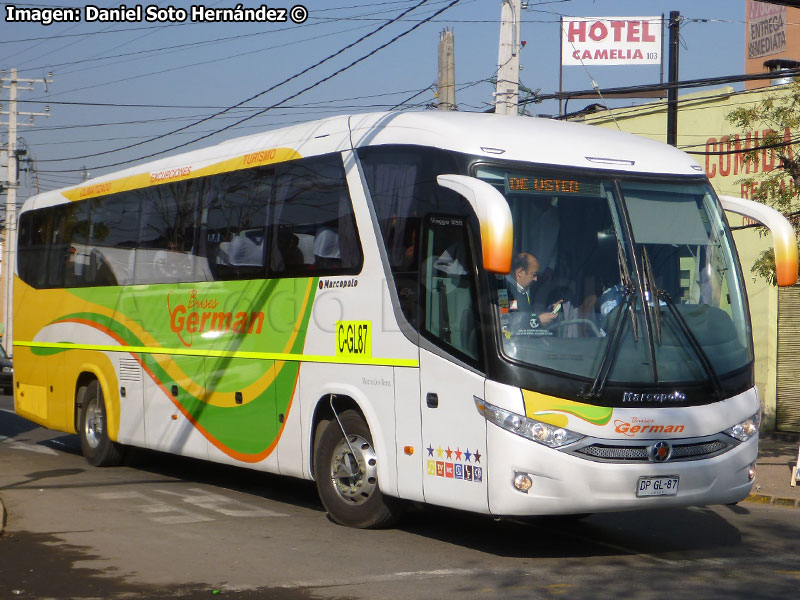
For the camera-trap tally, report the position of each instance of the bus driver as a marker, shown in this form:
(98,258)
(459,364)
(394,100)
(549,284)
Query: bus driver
(523,317)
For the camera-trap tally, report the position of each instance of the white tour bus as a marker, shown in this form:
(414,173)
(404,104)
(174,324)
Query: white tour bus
(506,315)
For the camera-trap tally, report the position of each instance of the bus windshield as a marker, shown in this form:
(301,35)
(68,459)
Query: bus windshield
(632,279)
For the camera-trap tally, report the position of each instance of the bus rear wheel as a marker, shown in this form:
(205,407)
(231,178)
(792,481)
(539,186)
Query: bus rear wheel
(97,447)
(346,471)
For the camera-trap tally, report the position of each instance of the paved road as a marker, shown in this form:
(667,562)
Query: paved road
(163,527)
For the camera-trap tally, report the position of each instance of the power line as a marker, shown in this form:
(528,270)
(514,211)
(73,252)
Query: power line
(299,110)
(657,87)
(150,27)
(649,109)
(165,49)
(783,144)
(246,100)
(312,86)
(207,107)
(295,95)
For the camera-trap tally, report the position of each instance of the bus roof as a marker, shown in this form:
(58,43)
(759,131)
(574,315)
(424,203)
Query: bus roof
(528,139)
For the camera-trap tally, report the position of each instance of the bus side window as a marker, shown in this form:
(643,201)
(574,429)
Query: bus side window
(168,233)
(113,230)
(403,189)
(58,245)
(76,239)
(313,226)
(449,310)
(235,225)
(33,232)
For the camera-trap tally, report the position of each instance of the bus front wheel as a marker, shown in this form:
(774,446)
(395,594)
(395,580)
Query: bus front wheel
(97,448)
(346,471)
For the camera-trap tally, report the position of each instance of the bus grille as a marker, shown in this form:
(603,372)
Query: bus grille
(129,370)
(681,450)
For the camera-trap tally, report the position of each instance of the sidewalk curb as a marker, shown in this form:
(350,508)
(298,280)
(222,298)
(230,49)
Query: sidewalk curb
(782,436)
(772,500)
(2,516)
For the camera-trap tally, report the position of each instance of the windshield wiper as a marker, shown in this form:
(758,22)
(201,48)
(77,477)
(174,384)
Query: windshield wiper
(617,328)
(694,343)
(615,336)
(652,292)
(652,311)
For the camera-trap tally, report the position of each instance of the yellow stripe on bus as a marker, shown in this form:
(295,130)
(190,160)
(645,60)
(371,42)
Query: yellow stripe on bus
(256,158)
(353,360)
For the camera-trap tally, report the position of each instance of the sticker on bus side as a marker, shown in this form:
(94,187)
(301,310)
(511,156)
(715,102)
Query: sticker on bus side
(354,339)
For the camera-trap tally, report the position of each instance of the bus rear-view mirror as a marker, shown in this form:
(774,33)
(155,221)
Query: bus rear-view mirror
(494,216)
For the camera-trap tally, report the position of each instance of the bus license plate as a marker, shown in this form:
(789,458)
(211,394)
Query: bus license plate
(657,486)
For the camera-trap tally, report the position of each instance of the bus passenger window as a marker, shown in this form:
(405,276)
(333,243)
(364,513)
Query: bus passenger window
(313,227)
(34,231)
(234,228)
(76,240)
(108,255)
(169,225)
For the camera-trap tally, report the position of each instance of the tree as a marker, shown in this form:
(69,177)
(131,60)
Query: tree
(778,117)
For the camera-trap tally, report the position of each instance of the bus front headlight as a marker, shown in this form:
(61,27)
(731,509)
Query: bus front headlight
(537,431)
(746,429)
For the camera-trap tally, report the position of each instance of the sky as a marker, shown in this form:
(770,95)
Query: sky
(128,92)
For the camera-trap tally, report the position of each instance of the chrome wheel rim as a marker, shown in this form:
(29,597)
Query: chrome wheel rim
(354,473)
(93,428)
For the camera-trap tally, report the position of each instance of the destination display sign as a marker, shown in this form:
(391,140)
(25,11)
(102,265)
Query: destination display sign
(519,183)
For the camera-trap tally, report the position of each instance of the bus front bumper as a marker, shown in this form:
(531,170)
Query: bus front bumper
(562,483)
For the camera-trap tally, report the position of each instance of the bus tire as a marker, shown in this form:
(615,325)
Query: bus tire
(347,482)
(98,449)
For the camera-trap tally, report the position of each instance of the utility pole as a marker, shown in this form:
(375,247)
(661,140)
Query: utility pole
(13,84)
(447,71)
(672,77)
(507,94)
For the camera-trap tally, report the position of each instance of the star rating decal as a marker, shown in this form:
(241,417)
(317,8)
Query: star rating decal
(449,463)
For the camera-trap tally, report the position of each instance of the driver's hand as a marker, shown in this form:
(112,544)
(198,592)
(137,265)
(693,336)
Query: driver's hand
(546,318)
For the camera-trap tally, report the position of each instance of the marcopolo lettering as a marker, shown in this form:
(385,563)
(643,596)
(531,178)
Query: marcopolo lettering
(327,284)
(661,398)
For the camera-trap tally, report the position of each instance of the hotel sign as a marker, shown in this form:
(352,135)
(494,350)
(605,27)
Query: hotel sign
(610,41)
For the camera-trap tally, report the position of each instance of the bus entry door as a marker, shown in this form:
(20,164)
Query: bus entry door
(453,431)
